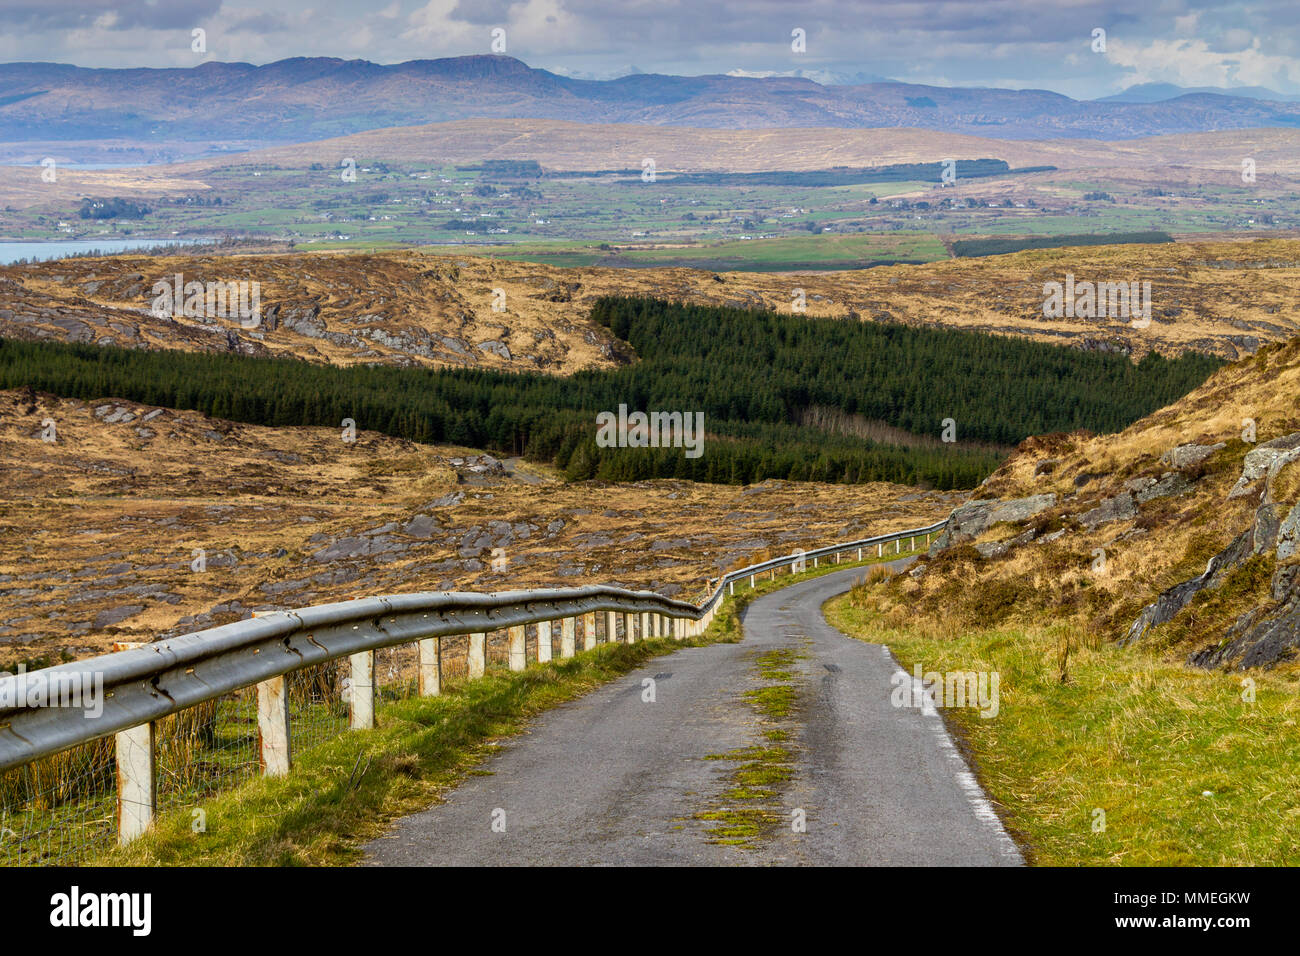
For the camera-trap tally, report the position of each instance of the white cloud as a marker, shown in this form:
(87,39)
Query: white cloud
(1191,62)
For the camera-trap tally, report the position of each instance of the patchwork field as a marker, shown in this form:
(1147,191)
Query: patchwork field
(541,182)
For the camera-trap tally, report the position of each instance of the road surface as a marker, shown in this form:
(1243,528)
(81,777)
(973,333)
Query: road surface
(612,779)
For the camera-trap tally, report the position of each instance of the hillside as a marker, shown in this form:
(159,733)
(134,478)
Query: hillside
(175,110)
(105,522)
(428,308)
(1179,536)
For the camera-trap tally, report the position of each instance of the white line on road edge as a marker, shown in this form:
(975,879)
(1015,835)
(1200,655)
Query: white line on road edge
(980,804)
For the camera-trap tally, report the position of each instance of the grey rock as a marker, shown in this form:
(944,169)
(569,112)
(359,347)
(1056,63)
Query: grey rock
(116,615)
(1262,637)
(1264,531)
(1184,456)
(1284,580)
(671,544)
(447,501)
(973,518)
(1119,508)
(421,526)
(1170,484)
(1288,535)
(1259,461)
(1173,600)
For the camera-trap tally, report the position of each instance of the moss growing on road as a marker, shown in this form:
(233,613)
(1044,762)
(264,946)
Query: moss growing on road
(749,807)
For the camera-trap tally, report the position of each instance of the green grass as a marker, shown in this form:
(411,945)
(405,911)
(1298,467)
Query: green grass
(1185,770)
(348,790)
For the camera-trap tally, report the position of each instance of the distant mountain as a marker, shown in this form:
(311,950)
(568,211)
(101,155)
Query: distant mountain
(303,99)
(1159,92)
(824,77)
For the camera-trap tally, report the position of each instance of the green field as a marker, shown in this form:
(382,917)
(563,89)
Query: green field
(824,251)
(717,222)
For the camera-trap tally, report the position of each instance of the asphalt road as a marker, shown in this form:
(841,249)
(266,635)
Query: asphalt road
(613,779)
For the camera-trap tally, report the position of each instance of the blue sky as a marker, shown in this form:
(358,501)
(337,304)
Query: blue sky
(1008,43)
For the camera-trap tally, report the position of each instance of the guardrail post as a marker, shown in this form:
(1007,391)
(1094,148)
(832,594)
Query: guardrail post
(568,636)
(611,627)
(898,546)
(273,727)
(646,625)
(751,581)
(628,636)
(589,631)
(430,667)
(477,661)
(543,641)
(137,782)
(731,587)
(361,693)
(880,550)
(518,645)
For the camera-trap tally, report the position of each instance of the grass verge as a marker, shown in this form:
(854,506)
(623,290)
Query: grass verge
(1105,756)
(348,790)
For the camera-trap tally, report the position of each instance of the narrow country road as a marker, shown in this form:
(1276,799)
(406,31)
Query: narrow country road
(612,779)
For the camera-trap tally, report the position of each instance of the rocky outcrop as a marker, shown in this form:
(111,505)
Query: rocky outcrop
(1264,462)
(1265,635)
(974,518)
(1177,597)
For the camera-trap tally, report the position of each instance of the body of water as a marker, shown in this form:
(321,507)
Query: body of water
(11,252)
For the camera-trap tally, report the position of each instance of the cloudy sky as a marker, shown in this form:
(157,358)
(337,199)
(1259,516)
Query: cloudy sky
(1010,43)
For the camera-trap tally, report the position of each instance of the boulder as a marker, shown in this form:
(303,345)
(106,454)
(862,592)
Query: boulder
(1184,456)
(1119,508)
(975,517)
(1170,484)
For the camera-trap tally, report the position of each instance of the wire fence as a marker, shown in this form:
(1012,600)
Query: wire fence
(62,809)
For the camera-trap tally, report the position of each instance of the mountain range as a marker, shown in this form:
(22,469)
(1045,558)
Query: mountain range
(230,105)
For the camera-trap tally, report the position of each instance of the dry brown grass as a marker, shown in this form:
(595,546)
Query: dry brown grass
(417,308)
(1063,581)
(108,519)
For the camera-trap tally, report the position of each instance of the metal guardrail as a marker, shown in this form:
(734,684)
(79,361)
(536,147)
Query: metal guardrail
(138,687)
